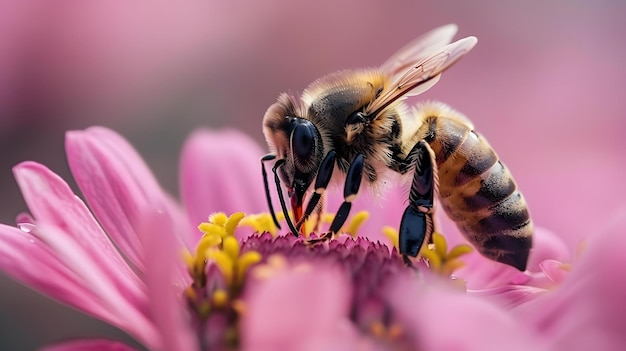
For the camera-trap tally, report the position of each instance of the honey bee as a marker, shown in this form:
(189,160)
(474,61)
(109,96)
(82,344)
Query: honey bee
(356,123)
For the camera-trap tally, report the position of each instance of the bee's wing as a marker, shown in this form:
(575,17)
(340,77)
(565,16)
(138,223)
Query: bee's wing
(418,49)
(422,75)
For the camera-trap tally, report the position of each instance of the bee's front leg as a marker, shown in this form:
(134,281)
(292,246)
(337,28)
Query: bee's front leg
(416,226)
(350,190)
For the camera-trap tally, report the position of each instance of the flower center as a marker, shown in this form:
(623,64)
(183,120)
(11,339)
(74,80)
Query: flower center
(220,266)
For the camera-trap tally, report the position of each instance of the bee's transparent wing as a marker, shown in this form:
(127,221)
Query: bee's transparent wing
(418,49)
(422,75)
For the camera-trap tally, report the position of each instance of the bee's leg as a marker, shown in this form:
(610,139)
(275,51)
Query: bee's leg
(416,226)
(350,190)
(324,173)
(264,159)
(281,197)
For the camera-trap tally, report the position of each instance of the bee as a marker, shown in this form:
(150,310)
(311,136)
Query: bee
(356,123)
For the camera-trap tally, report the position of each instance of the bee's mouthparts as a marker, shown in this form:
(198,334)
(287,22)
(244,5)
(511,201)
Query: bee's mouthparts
(296,206)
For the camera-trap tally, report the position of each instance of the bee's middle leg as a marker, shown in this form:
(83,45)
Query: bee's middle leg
(416,225)
(350,190)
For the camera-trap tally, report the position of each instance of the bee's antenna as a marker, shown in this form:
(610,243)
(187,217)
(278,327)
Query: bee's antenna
(268,157)
(281,197)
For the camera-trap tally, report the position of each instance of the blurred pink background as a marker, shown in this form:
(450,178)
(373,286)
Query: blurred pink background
(546,85)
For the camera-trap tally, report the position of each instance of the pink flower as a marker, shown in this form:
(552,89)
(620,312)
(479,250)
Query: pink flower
(120,261)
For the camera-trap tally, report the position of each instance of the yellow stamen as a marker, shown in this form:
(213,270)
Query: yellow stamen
(239,306)
(220,298)
(244,263)
(357,220)
(328,218)
(310,224)
(581,248)
(377,329)
(221,225)
(391,234)
(450,266)
(441,247)
(190,260)
(190,293)
(230,246)
(395,331)
(437,255)
(232,222)
(204,309)
(434,260)
(212,229)
(218,218)
(277,264)
(566,267)
(459,251)
(442,261)
(390,333)
(224,262)
(262,222)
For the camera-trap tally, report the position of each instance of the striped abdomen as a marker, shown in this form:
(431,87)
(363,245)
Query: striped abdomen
(478,192)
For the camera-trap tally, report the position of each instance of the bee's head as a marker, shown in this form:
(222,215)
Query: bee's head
(297,141)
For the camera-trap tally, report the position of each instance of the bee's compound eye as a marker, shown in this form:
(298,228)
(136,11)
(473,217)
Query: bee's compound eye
(302,141)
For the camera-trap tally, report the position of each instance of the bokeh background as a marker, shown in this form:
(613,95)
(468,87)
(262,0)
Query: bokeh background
(546,85)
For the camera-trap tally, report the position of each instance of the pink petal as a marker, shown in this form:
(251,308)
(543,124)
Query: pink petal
(128,311)
(221,171)
(165,283)
(116,183)
(298,310)
(51,201)
(481,273)
(90,345)
(440,318)
(30,261)
(587,311)
(65,225)
(509,296)
(554,270)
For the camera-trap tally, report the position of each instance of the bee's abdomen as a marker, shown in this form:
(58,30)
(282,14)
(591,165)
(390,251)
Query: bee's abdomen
(478,192)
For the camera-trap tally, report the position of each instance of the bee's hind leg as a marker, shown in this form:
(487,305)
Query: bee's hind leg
(350,190)
(416,225)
